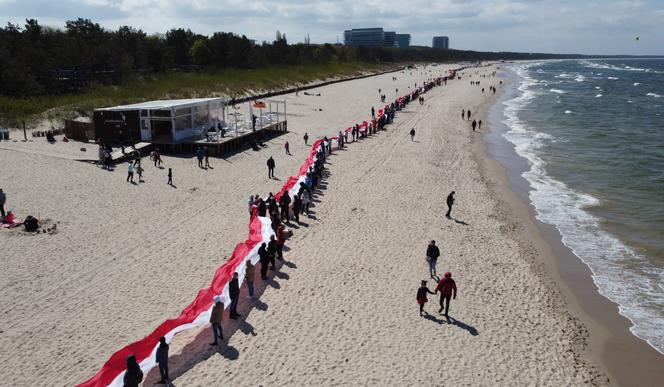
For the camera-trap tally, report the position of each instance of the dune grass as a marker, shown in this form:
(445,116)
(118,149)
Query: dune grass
(170,85)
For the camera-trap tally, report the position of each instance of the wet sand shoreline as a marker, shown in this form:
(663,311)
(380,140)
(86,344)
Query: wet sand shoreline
(625,358)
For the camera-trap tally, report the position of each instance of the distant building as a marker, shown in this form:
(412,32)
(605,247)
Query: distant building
(441,42)
(403,40)
(390,39)
(375,37)
(366,37)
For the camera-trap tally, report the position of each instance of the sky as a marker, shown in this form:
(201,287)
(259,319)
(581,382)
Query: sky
(552,26)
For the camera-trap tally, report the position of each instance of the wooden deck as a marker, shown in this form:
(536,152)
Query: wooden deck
(118,156)
(227,144)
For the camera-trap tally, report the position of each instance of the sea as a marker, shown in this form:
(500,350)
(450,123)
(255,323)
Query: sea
(592,135)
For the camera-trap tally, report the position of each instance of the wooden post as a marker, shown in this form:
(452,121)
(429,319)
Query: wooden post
(25,133)
(235,115)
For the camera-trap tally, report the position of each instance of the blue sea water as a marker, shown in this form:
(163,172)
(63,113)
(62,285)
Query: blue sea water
(592,132)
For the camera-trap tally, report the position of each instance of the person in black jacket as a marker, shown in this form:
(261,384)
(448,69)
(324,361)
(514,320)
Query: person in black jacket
(270,167)
(133,376)
(284,203)
(264,259)
(234,293)
(450,202)
(422,295)
(272,251)
(262,208)
(3,199)
(432,257)
(162,360)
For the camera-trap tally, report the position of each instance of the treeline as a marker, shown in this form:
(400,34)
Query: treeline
(38,60)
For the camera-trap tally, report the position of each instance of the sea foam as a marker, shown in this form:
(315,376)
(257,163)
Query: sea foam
(617,270)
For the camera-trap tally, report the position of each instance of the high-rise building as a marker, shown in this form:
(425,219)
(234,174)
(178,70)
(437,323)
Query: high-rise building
(390,39)
(441,42)
(367,37)
(403,40)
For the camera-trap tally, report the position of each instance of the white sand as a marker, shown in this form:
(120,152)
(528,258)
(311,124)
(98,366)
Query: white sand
(343,310)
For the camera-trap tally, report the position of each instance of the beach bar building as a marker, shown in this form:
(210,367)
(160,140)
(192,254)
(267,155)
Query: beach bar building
(160,122)
(182,125)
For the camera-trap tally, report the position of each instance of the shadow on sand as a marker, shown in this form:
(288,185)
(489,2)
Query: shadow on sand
(452,321)
(200,350)
(458,221)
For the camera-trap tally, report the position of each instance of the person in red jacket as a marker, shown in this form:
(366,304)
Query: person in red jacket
(448,290)
(281,240)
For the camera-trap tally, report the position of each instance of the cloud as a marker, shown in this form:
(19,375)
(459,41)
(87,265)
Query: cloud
(563,26)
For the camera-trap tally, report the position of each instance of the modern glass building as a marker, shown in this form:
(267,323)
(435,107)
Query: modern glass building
(390,39)
(367,37)
(403,40)
(375,37)
(441,42)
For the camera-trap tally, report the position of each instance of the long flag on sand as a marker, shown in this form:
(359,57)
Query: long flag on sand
(197,314)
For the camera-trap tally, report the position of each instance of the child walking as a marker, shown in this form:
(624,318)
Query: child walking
(422,295)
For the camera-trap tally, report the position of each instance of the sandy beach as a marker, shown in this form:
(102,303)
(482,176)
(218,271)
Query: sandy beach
(341,310)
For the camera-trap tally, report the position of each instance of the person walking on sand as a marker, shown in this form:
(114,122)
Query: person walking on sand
(373,112)
(468,113)
(234,293)
(412,134)
(463,114)
(432,258)
(422,295)
(448,290)
(139,169)
(130,172)
(207,158)
(199,156)
(249,275)
(479,125)
(474,125)
(162,359)
(450,202)
(264,259)
(216,318)
(3,200)
(270,167)
(287,147)
(170,176)
(306,138)
(133,375)
(157,158)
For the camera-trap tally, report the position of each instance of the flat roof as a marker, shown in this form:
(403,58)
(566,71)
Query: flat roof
(163,104)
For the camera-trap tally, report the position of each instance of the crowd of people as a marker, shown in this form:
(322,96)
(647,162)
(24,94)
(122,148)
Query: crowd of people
(287,206)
